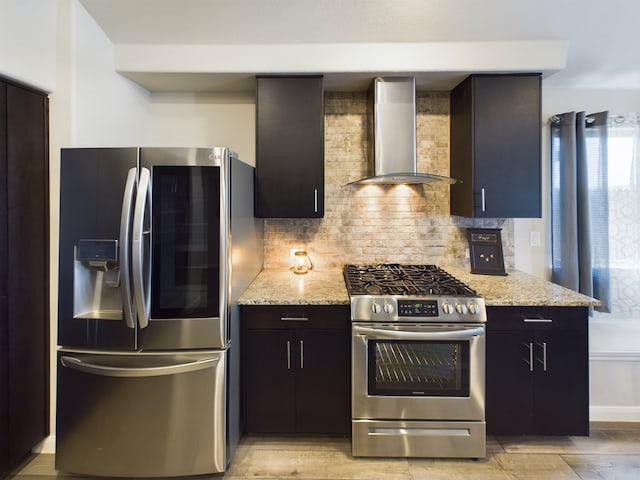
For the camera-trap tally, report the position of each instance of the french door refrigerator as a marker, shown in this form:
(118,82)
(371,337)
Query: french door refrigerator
(156,244)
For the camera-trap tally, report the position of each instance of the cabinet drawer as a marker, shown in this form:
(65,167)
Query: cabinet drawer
(296,316)
(534,317)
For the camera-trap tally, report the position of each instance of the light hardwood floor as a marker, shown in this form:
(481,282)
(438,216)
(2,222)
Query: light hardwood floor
(611,452)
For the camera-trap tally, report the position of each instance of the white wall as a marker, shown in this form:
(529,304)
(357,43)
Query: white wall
(204,120)
(28,42)
(107,109)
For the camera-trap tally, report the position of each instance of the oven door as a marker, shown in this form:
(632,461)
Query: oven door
(418,372)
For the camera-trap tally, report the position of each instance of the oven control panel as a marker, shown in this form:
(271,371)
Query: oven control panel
(392,308)
(417,308)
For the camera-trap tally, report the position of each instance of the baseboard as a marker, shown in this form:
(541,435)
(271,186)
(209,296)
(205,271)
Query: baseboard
(48,445)
(614,414)
(615,356)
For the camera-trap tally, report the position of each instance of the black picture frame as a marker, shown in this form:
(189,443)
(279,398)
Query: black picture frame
(485,251)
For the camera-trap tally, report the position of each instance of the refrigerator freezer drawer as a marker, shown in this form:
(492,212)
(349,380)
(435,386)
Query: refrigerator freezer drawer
(141,414)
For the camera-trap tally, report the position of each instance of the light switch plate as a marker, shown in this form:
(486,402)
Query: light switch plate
(534,239)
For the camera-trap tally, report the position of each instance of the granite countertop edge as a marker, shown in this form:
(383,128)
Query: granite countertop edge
(326,287)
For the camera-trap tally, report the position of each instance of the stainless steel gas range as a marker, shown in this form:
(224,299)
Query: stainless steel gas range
(418,360)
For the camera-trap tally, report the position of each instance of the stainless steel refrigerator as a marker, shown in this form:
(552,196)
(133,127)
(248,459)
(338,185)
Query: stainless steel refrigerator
(156,244)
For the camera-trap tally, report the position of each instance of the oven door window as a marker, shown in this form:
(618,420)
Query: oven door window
(418,368)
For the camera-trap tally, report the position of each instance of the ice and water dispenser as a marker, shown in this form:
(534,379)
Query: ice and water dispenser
(96,280)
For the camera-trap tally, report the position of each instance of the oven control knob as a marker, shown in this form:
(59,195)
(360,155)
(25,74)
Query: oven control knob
(447,308)
(474,309)
(388,308)
(461,308)
(375,307)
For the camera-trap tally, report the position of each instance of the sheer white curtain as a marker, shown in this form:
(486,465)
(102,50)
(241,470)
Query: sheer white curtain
(624,214)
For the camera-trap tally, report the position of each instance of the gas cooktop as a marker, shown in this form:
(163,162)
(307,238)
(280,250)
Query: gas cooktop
(397,279)
(417,293)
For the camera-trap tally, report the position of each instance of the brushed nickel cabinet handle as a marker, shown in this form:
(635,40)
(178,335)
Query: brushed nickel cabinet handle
(288,355)
(529,346)
(530,357)
(301,354)
(537,320)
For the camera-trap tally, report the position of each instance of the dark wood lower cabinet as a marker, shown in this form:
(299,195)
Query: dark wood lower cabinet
(537,371)
(296,369)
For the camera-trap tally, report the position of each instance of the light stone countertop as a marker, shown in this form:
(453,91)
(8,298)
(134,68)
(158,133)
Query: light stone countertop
(521,289)
(282,287)
(277,287)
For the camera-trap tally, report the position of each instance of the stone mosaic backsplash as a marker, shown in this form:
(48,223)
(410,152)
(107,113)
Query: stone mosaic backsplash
(385,224)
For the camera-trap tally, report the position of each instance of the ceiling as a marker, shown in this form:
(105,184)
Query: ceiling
(602,36)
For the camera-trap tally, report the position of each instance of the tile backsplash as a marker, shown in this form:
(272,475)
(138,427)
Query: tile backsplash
(375,224)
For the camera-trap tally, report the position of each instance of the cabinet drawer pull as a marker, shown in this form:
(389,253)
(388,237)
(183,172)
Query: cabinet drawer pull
(484,204)
(315,200)
(537,320)
(288,355)
(294,319)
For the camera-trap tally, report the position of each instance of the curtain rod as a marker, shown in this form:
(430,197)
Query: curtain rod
(556,119)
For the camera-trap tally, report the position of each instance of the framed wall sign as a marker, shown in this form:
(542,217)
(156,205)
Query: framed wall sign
(485,251)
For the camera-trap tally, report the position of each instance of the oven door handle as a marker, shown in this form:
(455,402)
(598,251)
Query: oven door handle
(381,333)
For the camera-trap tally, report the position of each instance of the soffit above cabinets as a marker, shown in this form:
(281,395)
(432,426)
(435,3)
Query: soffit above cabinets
(204,45)
(349,67)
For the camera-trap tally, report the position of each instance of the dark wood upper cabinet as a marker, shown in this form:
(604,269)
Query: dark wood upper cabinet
(24,272)
(496,146)
(289,147)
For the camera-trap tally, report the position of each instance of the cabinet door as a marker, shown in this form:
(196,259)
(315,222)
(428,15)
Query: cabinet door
(4,323)
(561,383)
(496,146)
(289,147)
(270,381)
(509,394)
(507,146)
(27,191)
(322,382)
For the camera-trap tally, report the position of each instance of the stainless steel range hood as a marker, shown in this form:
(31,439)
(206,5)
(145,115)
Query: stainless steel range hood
(392,134)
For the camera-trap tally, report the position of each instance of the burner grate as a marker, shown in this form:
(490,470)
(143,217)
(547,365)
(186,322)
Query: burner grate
(397,279)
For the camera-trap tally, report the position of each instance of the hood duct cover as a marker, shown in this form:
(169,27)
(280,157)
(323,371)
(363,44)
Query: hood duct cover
(392,150)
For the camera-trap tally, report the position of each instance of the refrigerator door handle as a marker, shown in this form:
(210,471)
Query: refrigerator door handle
(141,297)
(125,249)
(107,371)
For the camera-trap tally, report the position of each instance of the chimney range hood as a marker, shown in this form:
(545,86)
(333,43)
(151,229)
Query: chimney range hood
(392,134)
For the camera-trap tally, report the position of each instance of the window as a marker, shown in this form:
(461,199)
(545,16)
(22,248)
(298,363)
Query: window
(623,184)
